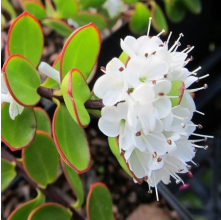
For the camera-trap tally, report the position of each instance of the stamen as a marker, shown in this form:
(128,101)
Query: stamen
(150,191)
(199,68)
(161,33)
(201,135)
(190,49)
(121,69)
(161,94)
(146,54)
(201,113)
(196,164)
(102,68)
(169,142)
(138,133)
(168,39)
(176,42)
(159,159)
(184,186)
(198,146)
(197,140)
(156,187)
(197,89)
(189,174)
(206,147)
(148,30)
(202,77)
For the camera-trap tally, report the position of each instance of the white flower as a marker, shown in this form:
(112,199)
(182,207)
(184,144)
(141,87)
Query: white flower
(14,108)
(112,87)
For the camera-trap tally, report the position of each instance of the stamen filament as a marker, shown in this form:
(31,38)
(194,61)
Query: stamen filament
(148,30)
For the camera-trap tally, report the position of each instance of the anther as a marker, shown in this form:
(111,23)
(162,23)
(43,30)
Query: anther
(205,86)
(188,167)
(169,142)
(121,69)
(146,54)
(199,126)
(102,68)
(161,45)
(206,147)
(154,154)
(121,153)
(138,134)
(165,76)
(154,53)
(189,174)
(178,181)
(161,94)
(150,191)
(184,186)
(154,82)
(159,159)
(145,178)
(195,150)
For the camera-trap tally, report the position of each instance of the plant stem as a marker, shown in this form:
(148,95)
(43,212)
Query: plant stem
(50,192)
(49,94)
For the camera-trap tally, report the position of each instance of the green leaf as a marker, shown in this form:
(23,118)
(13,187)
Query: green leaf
(43,120)
(130,1)
(140,19)
(41,159)
(6,5)
(76,92)
(194,6)
(2,26)
(81,51)
(23,211)
(50,11)
(113,143)
(20,132)
(99,203)
(22,80)
(124,58)
(75,183)
(177,89)
(66,9)
(50,211)
(84,18)
(175,11)
(8,173)
(159,21)
(59,26)
(91,4)
(25,37)
(70,140)
(49,82)
(35,8)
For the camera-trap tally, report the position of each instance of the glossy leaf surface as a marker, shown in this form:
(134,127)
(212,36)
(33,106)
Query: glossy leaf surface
(35,8)
(66,9)
(140,19)
(44,167)
(88,3)
(81,51)
(50,211)
(84,18)
(8,173)
(43,120)
(23,30)
(23,211)
(22,80)
(99,203)
(18,133)
(75,183)
(176,90)
(70,140)
(159,21)
(59,26)
(76,92)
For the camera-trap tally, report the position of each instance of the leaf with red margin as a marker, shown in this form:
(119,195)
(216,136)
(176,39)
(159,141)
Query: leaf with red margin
(177,89)
(43,120)
(23,211)
(41,159)
(76,92)
(99,203)
(20,132)
(49,82)
(22,80)
(25,37)
(8,173)
(114,146)
(71,140)
(59,26)
(35,8)
(66,9)
(50,211)
(81,51)
(75,183)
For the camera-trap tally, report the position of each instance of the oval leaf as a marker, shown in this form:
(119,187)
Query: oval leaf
(140,19)
(59,26)
(194,6)
(50,211)
(177,89)
(99,203)
(22,80)
(84,18)
(76,92)
(113,143)
(25,37)
(90,4)
(20,132)
(35,8)
(66,9)
(159,21)
(44,167)
(70,140)
(49,82)
(23,211)
(75,183)
(81,51)
(8,173)
(175,11)
(43,120)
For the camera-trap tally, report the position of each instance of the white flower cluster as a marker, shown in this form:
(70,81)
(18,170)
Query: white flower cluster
(149,108)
